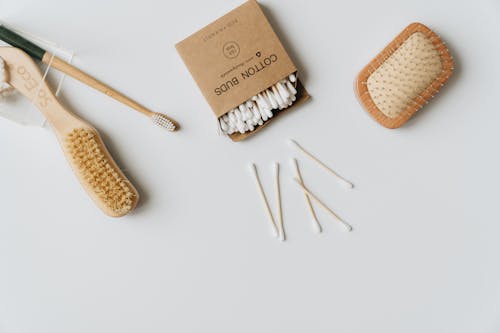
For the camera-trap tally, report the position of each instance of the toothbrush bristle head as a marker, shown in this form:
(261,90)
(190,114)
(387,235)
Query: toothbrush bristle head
(163,121)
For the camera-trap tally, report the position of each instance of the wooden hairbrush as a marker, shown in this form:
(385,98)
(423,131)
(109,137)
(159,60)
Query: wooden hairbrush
(80,142)
(404,76)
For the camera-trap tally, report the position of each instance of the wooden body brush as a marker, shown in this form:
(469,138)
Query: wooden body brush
(404,76)
(80,142)
(38,53)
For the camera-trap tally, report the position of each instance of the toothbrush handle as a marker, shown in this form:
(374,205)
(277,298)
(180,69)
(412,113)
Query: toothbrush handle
(83,77)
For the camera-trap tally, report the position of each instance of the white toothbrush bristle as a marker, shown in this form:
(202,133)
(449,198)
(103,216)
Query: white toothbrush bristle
(163,121)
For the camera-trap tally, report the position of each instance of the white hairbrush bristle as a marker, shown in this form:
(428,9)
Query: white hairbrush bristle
(163,121)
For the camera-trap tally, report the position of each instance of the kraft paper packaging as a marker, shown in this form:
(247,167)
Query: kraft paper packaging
(235,58)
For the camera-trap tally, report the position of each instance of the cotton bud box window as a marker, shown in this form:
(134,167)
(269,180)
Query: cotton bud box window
(243,71)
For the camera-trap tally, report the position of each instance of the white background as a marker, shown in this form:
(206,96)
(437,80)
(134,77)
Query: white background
(197,255)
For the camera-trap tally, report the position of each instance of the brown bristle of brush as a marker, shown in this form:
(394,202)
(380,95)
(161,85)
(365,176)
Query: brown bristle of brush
(89,159)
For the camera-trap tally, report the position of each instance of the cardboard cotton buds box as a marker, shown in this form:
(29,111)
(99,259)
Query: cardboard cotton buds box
(243,71)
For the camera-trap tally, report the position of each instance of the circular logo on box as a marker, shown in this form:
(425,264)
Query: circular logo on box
(231,50)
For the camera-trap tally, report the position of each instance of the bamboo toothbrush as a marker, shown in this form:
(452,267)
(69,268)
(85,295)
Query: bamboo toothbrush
(38,53)
(80,142)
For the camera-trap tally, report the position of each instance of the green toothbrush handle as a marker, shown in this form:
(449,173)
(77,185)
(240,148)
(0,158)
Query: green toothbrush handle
(15,40)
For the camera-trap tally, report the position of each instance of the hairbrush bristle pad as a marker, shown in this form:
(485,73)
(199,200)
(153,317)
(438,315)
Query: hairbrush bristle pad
(89,159)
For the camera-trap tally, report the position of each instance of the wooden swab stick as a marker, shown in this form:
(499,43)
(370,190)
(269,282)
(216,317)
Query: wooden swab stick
(323,165)
(325,207)
(264,199)
(316,224)
(278,194)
